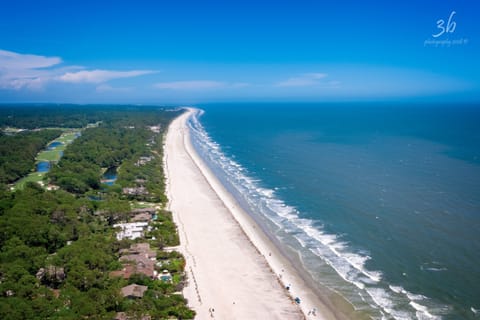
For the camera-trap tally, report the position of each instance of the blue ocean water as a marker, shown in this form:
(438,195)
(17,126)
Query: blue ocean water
(379,202)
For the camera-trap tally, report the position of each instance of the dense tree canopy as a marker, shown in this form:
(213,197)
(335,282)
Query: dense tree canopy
(58,247)
(31,116)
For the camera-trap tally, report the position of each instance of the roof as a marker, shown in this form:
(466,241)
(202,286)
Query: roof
(142,217)
(134,291)
(125,273)
(144,210)
(141,263)
(143,248)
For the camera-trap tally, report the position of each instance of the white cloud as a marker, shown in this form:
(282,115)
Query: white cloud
(33,72)
(13,60)
(306,79)
(25,70)
(99,76)
(190,85)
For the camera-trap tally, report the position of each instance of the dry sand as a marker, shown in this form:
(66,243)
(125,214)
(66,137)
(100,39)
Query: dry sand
(231,265)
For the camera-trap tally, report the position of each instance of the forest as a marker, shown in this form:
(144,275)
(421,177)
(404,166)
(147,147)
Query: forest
(31,116)
(59,247)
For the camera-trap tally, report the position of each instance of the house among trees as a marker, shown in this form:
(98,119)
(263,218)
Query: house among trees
(143,161)
(134,291)
(141,264)
(51,275)
(141,249)
(137,191)
(131,230)
(138,259)
(144,214)
(155,129)
(142,217)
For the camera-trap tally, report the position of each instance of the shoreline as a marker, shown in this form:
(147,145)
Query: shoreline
(269,261)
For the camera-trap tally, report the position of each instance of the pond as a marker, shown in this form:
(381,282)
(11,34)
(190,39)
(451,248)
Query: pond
(43,166)
(110,176)
(53,145)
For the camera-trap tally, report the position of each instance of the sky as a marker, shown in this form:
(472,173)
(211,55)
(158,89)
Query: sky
(186,52)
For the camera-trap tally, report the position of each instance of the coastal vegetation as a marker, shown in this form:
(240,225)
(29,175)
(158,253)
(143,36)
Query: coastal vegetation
(62,255)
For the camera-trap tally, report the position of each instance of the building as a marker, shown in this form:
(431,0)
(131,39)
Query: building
(143,249)
(144,214)
(141,264)
(137,191)
(134,291)
(131,230)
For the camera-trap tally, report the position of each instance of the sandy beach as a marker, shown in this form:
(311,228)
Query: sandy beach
(233,270)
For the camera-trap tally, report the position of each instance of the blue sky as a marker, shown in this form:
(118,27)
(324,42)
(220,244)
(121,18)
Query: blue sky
(208,51)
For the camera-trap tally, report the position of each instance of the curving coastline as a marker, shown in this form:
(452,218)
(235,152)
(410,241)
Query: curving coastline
(232,266)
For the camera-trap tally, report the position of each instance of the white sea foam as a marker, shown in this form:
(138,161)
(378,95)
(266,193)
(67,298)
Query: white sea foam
(422,311)
(381,298)
(415,297)
(299,239)
(433,266)
(331,248)
(397,289)
(436,269)
(266,192)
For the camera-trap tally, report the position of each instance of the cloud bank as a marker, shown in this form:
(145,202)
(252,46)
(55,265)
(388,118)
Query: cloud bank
(33,72)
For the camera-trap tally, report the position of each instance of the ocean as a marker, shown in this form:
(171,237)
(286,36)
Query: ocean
(380,203)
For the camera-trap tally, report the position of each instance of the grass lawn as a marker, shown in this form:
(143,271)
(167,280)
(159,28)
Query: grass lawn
(67,137)
(32,177)
(49,155)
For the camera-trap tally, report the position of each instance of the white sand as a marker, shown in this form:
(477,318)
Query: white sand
(231,267)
